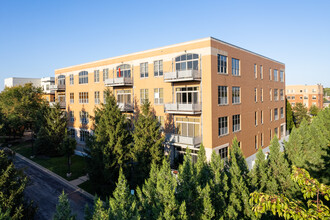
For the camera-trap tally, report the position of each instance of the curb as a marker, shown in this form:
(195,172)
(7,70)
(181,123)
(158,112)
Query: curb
(61,179)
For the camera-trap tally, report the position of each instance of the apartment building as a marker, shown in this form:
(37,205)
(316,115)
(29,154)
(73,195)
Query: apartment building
(307,95)
(45,83)
(203,91)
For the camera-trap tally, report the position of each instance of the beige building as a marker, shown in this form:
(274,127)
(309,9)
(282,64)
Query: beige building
(203,91)
(307,95)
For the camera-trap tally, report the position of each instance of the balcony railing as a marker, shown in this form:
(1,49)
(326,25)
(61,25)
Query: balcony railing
(57,87)
(178,139)
(62,104)
(122,81)
(125,107)
(180,108)
(182,75)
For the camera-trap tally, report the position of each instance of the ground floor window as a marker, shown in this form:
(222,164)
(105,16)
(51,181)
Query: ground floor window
(223,152)
(83,135)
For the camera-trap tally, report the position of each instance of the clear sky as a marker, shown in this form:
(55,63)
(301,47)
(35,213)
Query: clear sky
(37,37)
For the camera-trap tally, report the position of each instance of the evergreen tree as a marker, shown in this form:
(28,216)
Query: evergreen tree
(148,144)
(238,204)
(278,173)
(63,208)
(300,113)
(259,173)
(314,110)
(182,212)
(69,145)
(203,171)
(219,185)
(187,187)
(108,147)
(289,116)
(100,212)
(208,210)
(122,204)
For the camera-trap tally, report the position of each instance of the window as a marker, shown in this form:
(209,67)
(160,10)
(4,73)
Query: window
(96,76)
(223,125)
(282,112)
(144,95)
(281,94)
(124,70)
(270,95)
(83,97)
(305,90)
(270,73)
(281,76)
(158,96)
(236,123)
(313,90)
(261,72)
(222,95)
(270,135)
(223,152)
(188,127)
(305,97)
(255,71)
(256,141)
(72,133)
(61,80)
(276,131)
(261,95)
(71,97)
(300,97)
(222,64)
(314,97)
(289,97)
(262,139)
(293,104)
(124,96)
(186,62)
(97,97)
(261,117)
(236,97)
(71,115)
(282,130)
(256,118)
(83,135)
(144,70)
(187,95)
(158,68)
(271,114)
(275,94)
(71,79)
(293,97)
(104,97)
(105,74)
(275,75)
(255,95)
(276,114)
(235,67)
(301,91)
(83,117)
(83,77)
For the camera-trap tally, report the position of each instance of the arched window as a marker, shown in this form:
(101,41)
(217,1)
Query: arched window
(124,70)
(83,77)
(186,62)
(61,80)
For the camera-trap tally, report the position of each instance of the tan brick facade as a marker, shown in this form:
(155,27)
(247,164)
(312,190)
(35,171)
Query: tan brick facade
(307,95)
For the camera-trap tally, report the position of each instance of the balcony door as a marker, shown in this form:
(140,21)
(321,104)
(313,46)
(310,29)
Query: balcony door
(187,95)
(188,127)
(124,70)
(124,96)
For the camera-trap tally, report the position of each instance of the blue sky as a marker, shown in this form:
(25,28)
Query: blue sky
(37,37)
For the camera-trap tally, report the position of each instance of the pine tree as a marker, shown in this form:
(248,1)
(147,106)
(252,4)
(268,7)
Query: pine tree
(259,173)
(108,147)
(63,208)
(122,204)
(289,116)
(238,205)
(100,212)
(219,185)
(182,211)
(148,144)
(278,172)
(208,210)
(314,110)
(187,187)
(300,113)
(202,168)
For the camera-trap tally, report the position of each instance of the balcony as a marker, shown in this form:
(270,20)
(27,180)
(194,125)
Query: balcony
(122,81)
(182,140)
(125,107)
(62,104)
(182,75)
(178,108)
(57,87)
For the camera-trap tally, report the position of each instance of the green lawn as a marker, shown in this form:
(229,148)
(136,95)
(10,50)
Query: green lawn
(57,165)
(88,187)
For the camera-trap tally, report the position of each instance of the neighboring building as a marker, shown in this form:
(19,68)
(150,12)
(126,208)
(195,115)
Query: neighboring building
(203,91)
(307,95)
(45,83)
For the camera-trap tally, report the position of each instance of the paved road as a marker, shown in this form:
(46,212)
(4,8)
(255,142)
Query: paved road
(45,187)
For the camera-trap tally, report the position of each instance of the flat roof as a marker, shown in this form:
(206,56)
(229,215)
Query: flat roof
(169,46)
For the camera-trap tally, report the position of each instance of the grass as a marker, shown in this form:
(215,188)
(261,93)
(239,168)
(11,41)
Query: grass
(57,165)
(88,187)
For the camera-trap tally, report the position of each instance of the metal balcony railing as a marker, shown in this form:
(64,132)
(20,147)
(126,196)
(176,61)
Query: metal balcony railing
(57,87)
(125,107)
(178,139)
(182,75)
(122,81)
(181,108)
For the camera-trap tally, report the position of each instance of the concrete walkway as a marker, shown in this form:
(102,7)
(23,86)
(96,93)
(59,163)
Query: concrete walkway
(79,181)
